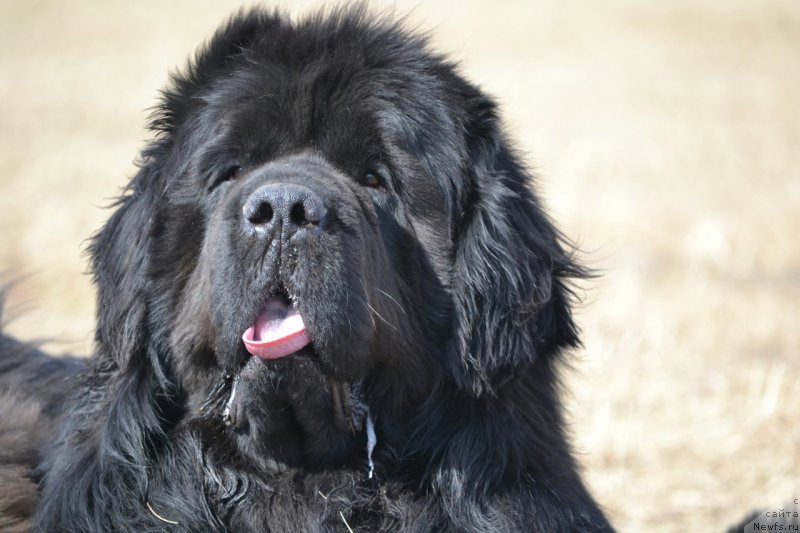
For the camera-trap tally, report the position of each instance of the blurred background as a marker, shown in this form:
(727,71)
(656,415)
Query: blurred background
(666,137)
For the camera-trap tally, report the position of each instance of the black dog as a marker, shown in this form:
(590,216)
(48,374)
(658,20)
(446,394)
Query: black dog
(329,301)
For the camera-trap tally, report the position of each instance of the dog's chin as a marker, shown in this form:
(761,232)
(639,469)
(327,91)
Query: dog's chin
(348,405)
(288,411)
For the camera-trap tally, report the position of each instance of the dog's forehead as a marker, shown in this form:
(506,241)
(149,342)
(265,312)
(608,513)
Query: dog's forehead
(351,114)
(271,107)
(284,113)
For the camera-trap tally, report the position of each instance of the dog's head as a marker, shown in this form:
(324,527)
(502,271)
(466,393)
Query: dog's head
(328,204)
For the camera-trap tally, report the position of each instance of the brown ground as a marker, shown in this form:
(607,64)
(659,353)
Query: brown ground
(667,135)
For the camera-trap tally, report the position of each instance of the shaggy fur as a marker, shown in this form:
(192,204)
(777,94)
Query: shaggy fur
(33,388)
(339,165)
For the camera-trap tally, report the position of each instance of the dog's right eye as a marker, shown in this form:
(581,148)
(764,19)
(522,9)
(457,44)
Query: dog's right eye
(376,178)
(372,180)
(229,174)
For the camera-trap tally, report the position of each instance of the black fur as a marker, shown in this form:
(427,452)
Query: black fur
(33,389)
(436,286)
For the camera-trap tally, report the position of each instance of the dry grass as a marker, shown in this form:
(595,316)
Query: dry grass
(668,138)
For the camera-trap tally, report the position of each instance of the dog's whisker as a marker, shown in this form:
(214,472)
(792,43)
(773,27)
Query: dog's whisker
(366,302)
(341,515)
(166,520)
(379,316)
(402,310)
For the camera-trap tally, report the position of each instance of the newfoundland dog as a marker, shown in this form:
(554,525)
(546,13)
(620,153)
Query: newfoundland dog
(328,301)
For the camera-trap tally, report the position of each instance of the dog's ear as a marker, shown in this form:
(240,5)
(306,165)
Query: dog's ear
(119,254)
(510,283)
(120,250)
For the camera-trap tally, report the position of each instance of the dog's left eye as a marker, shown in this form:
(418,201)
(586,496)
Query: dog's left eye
(374,179)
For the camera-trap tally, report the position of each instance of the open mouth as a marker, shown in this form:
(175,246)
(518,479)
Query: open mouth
(279,331)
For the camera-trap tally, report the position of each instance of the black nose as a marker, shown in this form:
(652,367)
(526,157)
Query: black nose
(287,205)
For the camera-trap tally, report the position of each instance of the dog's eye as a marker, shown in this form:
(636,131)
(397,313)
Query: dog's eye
(229,174)
(374,180)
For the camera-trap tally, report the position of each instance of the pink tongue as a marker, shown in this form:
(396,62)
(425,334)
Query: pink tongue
(279,331)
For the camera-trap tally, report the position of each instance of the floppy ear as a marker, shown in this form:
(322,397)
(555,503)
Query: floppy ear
(120,250)
(512,301)
(119,253)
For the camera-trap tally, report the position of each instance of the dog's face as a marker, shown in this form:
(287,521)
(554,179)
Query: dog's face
(299,212)
(322,211)
(306,254)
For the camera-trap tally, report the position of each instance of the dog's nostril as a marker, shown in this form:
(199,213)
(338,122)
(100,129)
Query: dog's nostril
(283,205)
(261,213)
(298,215)
(303,215)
